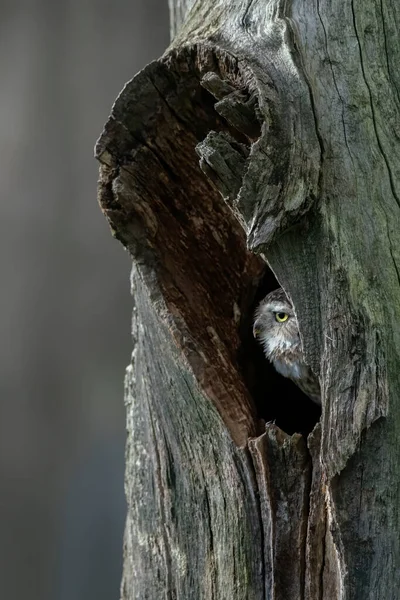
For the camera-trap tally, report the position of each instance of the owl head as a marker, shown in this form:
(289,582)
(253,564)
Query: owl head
(275,325)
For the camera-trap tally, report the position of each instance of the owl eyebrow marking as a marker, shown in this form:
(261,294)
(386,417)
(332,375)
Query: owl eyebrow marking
(276,308)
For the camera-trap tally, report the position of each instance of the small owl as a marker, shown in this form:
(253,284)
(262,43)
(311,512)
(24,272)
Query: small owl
(276,328)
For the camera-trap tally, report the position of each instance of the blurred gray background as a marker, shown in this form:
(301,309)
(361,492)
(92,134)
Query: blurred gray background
(65,302)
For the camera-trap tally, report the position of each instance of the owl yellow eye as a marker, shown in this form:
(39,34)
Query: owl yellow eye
(281,317)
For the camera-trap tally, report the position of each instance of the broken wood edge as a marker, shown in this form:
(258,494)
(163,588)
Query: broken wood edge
(301,548)
(200,99)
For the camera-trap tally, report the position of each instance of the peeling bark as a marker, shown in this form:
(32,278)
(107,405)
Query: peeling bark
(264,138)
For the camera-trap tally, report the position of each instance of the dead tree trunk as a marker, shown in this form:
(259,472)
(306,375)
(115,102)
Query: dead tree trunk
(265,141)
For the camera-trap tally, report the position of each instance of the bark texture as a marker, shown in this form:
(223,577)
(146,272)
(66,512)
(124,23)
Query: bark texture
(266,134)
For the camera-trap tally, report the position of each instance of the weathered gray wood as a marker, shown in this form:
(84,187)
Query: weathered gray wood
(293,109)
(193,524)
(178,10)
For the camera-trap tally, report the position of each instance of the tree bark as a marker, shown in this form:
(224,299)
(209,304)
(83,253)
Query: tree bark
(267,134)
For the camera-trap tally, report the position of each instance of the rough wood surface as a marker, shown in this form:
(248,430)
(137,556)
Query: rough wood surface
(283,469)
(268,129)
(178,10)
(193,512)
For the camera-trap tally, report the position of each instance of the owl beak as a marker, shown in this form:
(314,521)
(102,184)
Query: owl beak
(256,330)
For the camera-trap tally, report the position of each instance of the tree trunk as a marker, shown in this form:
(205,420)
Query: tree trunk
(263,144)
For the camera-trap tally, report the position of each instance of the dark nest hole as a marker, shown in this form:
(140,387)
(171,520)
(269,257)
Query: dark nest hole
(277,399)
(166,212)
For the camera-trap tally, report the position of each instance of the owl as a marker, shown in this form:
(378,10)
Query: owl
(276,328)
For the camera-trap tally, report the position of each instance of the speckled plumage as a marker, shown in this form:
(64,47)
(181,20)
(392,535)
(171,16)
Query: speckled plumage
(282,344)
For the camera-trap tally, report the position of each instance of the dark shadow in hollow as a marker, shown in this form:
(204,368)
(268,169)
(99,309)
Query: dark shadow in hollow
(276,398)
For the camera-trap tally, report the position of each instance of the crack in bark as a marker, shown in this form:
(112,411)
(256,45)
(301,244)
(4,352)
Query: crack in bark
(208,507)
(167,546)
(335,82)
(391,252)
(387,53)
(244,18)
(166,103)
(374,122)
(303,556)
(322,570)
(257,496)
(312,105)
